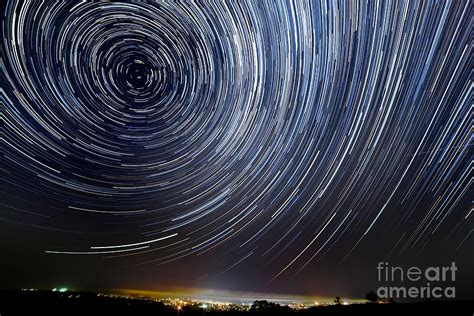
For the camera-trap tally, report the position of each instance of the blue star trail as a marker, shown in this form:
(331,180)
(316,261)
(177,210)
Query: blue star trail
(271,133)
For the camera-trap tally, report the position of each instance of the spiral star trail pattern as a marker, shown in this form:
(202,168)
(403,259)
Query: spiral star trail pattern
(273,133)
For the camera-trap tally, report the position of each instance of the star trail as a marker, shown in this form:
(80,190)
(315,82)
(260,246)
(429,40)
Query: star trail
(239,136)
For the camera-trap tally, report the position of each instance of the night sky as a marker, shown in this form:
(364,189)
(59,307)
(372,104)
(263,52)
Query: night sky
(282,147)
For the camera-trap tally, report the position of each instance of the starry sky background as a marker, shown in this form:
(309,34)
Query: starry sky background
(281,147)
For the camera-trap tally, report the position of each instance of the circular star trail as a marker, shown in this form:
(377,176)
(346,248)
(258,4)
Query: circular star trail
(271,131)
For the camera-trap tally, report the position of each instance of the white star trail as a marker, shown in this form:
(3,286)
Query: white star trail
(261,131)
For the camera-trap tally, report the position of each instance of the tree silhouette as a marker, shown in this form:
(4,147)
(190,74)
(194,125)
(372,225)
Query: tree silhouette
(271,308)
(371,297)
(338,300)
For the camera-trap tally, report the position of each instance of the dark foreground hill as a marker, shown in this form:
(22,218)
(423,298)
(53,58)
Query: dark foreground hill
(76,303)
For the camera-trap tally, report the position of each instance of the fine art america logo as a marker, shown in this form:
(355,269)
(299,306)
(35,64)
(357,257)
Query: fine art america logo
(436,281)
